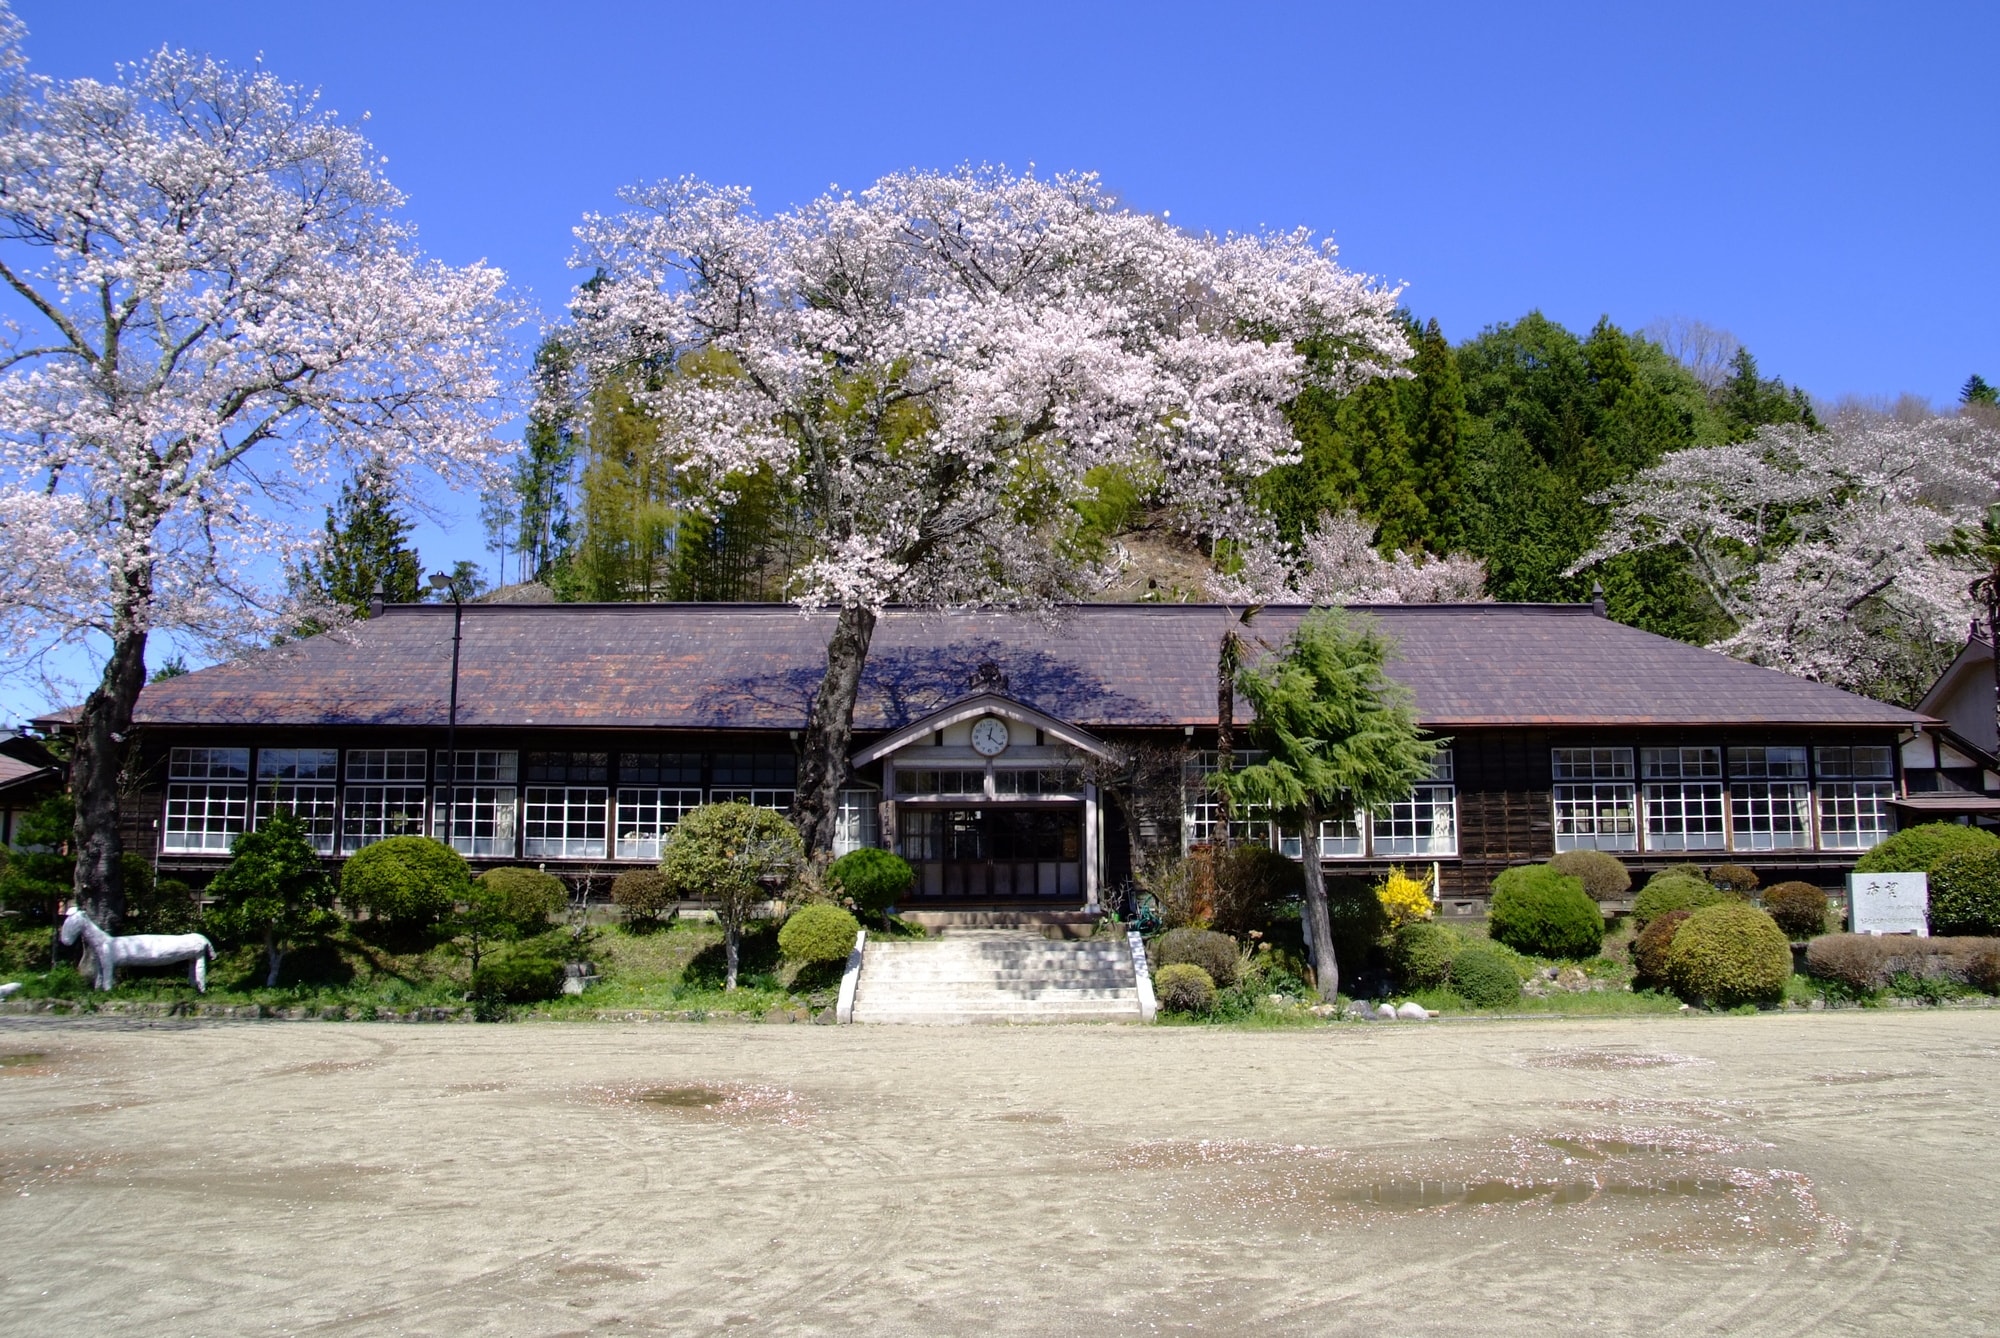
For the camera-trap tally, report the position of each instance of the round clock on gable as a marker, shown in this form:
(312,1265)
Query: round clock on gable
(989,736)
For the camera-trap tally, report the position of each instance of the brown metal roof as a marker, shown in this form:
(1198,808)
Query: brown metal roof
(755,666)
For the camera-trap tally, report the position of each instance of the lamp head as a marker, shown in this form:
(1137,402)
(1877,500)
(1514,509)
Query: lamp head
(440,581)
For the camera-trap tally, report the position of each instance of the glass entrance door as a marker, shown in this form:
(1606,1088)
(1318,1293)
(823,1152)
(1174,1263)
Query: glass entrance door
(994,853)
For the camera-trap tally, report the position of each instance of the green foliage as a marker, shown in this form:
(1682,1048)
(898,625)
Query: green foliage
(1977,390)
(1864,964)
(1216,954)
(1421,954)
(1674,892)
(1748,401)
(527,972)
(1799,908)
(365,543)
(273,889)
(733,856)
(1918,849)
(1357,920)
(1250,880)
(1729,954)
(821,932)
(410,880)
(1965,893)
(168,906)
(527,897)
(1604,877)
(1485,977)
(1733,878)
(40,870)
(643,894)
(873,879)
(1655,941)
(1540,911)
(1184,987)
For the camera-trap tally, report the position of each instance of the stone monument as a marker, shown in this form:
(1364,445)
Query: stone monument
(1888,903)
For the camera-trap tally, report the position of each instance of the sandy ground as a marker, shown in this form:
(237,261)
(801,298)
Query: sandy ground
(1763,1175)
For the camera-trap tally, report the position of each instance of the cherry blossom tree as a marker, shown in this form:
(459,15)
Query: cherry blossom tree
(934,369)
(218,307)
(1823,549)
(1337,563)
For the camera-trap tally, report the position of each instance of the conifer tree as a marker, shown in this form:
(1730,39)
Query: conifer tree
(365,544)
(1748,401)
(1434,433)
(1977,391)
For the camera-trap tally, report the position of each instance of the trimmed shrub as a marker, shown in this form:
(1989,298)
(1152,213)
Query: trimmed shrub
(1965,893)
(1539,911)
(1674,893)
(1183,987)
(874,880)
(1605,877)
(411,879)
(1694,871)
(1421,953)
(1403,898)
(1214,953)
(643,894)
(1485,977)
(1729,954)
(1918,849)
(1734,878)
(524,973)
(1650,949)
(821,932)
(1248,882)
(527,897)
(1799,908)
(1865,963)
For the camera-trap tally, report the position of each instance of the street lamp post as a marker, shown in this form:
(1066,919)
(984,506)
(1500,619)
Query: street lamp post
(441,582)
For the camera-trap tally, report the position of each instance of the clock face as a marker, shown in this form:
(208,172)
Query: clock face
(989,737)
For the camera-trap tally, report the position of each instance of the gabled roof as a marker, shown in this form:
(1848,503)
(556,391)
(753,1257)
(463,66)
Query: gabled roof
(971,708)
(1098,666)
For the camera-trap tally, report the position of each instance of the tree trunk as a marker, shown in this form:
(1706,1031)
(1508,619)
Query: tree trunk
(1225,730)
(830,731)
(276,956)
(1318,928)
(103,727)
(729,956)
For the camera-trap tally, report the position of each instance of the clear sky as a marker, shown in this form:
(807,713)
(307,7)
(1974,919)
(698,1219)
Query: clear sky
(1818,179)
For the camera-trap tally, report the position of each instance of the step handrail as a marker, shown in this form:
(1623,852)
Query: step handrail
(850,980)
(1148,1007)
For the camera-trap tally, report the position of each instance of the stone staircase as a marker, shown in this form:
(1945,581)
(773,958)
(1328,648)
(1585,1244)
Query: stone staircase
(997,975)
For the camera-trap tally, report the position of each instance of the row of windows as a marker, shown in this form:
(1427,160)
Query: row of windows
(492,821)
(966,782)
(1710,798)
(485,766)
(1425,824)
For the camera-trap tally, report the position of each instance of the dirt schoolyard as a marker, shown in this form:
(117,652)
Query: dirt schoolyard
(1823,1174)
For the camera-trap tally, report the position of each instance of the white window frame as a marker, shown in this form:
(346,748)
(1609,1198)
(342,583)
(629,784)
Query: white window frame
(386,766)
(315,805)
(480,766)
(300,765)
(1594,799)
(646,814)
(208,764)
(565,822)
(1677,782)
(373,812)
(778,801)
(483,821)
(857,822)
(1854,814)
(1770,799)
(203,818)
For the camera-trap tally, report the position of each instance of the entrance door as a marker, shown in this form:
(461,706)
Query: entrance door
(995,853)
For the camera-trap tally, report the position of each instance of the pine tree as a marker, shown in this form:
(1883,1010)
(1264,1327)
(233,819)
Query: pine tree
(1373,418)
(545,471)
(1748,401)
(365,544)
(1977,391)
(1434,438)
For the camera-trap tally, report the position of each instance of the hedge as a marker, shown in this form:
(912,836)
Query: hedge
(1865,963)
(1799,908)
(1918,849)
(1729,954)
(1539,911)
(1655,941)
(1421,953)
(1965,893)
(1674,892)
(411,879)
(874,880)
(1485,977)
(528,896)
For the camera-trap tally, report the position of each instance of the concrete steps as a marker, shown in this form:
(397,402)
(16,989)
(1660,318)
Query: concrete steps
(997,975)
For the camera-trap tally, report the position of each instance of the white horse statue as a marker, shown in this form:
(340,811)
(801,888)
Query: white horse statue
(139,950)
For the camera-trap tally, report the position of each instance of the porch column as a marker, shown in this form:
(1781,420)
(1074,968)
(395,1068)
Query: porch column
(1090,848)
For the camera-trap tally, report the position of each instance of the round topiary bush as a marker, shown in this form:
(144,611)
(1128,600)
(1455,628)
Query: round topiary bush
(1965,893)
(1799,908)
(528,897)
(1183,987)
(1729,954)
(1733,878)
(410,879)
(1604,876)
(1649,950)
(821,932)
(643,894)
(1214,953)
(1485,977)
(1918,849)
(527,973)
(1421,953)
(874,880)
(1539,911)
(1674,892)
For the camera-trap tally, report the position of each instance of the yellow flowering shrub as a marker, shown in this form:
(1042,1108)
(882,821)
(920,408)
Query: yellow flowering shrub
(1404,898)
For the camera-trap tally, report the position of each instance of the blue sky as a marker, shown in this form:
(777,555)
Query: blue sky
(1817,179)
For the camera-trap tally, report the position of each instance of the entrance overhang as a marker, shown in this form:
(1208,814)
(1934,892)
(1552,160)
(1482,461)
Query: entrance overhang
(985,704)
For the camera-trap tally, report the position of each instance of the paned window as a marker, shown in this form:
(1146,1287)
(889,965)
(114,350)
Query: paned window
(673,769)
(1770,804)
(761,771)
(568,768)
(479,766)
(857,822)
(919,783)
(778,801)
(317,807)
(203,818)
(209,764)
(1033,781)
(371,813)
(1343,840)
(920,835)
(1683,797)
(390,766)
(298,764)
(1854,815)
(1868,761)
(1596,805)
(645,816)
(475,820)
(566,822)
(1201,806)
(1427,822)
